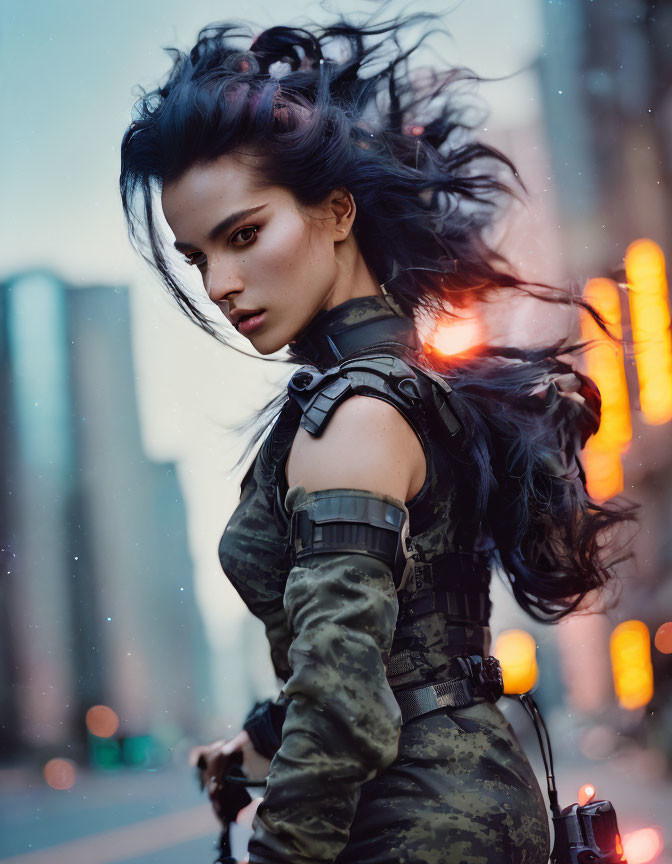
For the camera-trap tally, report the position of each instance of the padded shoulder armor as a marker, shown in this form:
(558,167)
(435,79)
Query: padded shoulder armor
(384,376)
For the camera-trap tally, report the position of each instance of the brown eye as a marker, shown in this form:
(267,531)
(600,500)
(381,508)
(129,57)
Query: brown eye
(244,234)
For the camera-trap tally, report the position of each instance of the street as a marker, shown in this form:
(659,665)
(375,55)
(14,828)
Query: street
(132,817)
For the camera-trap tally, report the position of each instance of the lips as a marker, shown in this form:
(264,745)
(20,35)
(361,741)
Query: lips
(237,315)
(247,322)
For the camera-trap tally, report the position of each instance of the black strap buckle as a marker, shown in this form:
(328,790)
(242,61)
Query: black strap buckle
(485,672)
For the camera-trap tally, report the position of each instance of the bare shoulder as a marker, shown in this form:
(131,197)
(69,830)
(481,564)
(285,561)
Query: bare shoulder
(368,444)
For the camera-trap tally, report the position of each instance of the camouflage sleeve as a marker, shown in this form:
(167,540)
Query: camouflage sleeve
(277,634)
(342,724)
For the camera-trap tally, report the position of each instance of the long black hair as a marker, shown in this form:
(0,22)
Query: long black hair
(399,140)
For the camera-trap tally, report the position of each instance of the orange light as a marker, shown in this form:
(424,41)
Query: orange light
(456,337)
(604,364)
(663,638)
(102,721)
(618,846)
(516,651)
(60,773)
(586,793)
(604,472)
(642,846)
(650,317)
(630,648)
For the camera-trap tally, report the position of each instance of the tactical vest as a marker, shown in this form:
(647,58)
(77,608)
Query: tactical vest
(449,583)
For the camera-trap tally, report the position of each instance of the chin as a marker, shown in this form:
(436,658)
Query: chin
(267,345)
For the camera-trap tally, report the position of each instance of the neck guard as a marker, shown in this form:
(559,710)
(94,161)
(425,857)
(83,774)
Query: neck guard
(356,325)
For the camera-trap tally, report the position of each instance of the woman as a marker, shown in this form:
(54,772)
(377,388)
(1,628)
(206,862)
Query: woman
(331,210)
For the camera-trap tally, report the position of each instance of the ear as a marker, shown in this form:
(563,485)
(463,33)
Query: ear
(342,206)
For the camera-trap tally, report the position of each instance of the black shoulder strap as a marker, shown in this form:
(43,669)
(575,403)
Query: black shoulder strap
(384,376)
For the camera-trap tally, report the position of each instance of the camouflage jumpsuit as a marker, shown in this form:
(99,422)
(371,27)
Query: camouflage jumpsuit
(349,783)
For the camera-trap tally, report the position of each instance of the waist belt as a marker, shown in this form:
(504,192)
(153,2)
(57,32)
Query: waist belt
(481,676)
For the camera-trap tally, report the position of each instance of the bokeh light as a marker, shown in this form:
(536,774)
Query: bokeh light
(60,773)
(642,846)
(516,651)
(605,365)
(630,648)
(102,721)
(586,793)
(663,638)
(650,317)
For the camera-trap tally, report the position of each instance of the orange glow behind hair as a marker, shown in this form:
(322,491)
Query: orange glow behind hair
(458,336)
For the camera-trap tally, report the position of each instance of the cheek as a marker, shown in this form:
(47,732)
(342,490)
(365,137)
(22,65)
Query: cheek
(294,250)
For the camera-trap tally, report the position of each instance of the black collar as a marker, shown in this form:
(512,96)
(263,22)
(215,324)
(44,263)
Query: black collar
(356,325)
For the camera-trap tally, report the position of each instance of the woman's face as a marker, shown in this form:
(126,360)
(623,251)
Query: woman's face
(257,249)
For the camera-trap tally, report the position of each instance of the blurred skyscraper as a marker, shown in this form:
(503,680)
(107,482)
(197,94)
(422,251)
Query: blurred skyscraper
(98,583)
(606,76)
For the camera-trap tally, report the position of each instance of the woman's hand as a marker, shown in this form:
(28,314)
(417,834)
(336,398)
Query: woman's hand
(212,761)
(255,766)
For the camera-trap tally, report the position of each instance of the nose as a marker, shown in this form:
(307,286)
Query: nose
(223,281)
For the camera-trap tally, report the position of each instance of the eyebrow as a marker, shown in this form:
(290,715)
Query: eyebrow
(222,226)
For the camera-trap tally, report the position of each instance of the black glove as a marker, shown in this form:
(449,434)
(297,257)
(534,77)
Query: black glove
(264,726)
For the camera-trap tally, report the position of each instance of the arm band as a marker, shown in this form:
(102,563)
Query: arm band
(356,522)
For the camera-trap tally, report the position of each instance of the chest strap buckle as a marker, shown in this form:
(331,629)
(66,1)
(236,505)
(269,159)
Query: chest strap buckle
(485,672)
(404,563)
